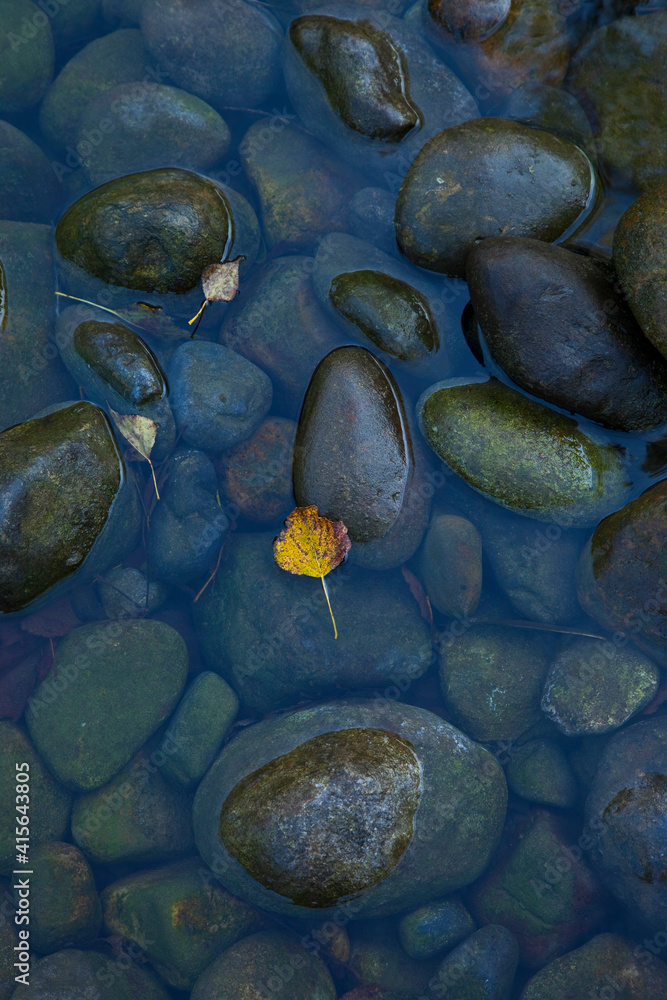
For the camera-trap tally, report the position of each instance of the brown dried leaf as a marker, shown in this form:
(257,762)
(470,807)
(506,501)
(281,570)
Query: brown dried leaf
(220,282)
(139,432)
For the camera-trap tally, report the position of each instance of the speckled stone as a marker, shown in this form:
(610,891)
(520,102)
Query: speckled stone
(434,928)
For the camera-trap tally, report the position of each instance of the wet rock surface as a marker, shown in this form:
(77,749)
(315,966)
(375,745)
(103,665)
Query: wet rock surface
(29,191)
(538,771)
(257,474)
(26,69)
(70,973)
(435,927)
(451,565)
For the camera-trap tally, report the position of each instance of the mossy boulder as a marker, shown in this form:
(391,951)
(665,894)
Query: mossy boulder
(51,819)
(520,454)
(87,737)
(423,808)
(489,177)
(70,510)
(179,918)
(30,192)
(73,974)
(355,459)
(27,56)
(269,633)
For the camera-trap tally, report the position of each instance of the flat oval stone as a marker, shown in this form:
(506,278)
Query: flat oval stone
(520,454)
(120,357)
(328,819)
(474,20)
(489,177)
(595,360)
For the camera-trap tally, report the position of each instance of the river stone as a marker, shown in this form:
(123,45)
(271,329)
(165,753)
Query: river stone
(471,21)
(156,232)
(69,510)
(595,361)
(256,474)
(87,740)
(225,51)
(29,188)
(27,59)
(640,261)
(151,125)
(196,730)
(377,959)
(122,13)
(451,565)
(622,569)
(538,771)
(218,397)
(65,910)
(274,957)
(552,109)
(520,454)
(303,189)
(607,965)
(372,218)
(47,823)
(75,23)
(104,63)
(594,687)
(188,525)
(367,84)
(269,633)
(539,887)
(32,375)
(279,324)
(424,802)
(354,458)
(9,940)
(619,76)
(179,918)
(125,592)
(72,975)
(482,967)
(627,806)
(489,177)
(116,368)
(491,679)
(434,928)
(138,818)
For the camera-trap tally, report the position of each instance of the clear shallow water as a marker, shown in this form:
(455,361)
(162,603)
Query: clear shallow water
(541,541)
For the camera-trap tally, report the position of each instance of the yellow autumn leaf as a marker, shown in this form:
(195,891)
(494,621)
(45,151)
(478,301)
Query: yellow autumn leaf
(310,545)
(139,432)
(220,283)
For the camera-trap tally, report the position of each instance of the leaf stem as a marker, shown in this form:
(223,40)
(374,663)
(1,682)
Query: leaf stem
(157,492)
(326,594)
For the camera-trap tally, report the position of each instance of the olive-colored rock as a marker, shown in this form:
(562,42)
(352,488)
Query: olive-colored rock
(482,968)
(367,84)
(69,509)
(641,263)
(471,21)
(27,61)
(88,736)
(138,818)
(451,565)
(622,569)
(425,802)
(540,888)
(553,109)
(269,633)
(104,63)
(115,367)
(538,771)
(267,960)
(50,821)
(303,189)
(594,686)
(595,360)
(65,910)
(151,125)
(225,51)
(607,965)
(29,191)
(434,928)
(196,729)
(31,373)
(355,459)
(489,177)
(179,917)
(619,74)
(72,974)
(492,678)
(257,474)
(279,324)
(520,454)
(626,808)
(377,959)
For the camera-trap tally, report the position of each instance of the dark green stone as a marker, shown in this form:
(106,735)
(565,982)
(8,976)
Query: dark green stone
(285,825)
(364,73)
(538,771)
(378,960)
(435,927)
(121,358)
(26,61)
(71,974)
(482,967)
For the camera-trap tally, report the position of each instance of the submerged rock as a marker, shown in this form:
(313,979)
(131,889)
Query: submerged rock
(538,771)
(354,458)
(435,927)
(451,565)
(482,967)
(471,21)
(377,960)
(489,177)
(68,509)
(27,62)
(29,192)
(71,973)
(425,802)
(520,454)
(257,474)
